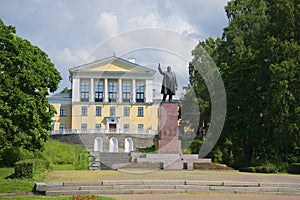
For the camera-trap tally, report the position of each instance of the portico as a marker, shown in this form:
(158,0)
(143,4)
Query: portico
(111,95)
(112,89)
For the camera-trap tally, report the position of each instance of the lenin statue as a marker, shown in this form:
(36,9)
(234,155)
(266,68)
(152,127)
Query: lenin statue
(169,83)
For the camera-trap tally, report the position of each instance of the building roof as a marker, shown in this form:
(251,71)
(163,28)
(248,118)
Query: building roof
(58,98)
(94,66)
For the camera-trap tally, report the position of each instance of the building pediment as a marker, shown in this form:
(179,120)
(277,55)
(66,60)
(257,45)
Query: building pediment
(111,65)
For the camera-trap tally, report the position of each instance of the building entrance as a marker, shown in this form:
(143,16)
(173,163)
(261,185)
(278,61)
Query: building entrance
(112,127)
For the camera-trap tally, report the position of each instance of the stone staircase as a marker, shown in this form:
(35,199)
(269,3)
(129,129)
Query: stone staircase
(107,160)
(94,160)
(141,165)
(164,186)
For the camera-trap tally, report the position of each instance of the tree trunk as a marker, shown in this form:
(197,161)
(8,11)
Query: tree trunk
(248,151)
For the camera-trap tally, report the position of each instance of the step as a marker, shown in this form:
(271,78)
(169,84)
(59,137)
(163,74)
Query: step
(119,191)
(94,168)
(164,186)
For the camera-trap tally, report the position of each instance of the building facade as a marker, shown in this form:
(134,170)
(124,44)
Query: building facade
(108,96)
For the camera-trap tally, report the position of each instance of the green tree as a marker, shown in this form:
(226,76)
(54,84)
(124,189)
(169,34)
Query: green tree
(26,77)
(246,77)
(65,91)
(258,58)
(282,50)
(197,97)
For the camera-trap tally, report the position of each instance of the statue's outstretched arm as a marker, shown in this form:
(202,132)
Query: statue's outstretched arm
(160,71)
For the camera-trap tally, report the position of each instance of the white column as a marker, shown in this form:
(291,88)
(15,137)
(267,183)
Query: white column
(92,91)
(148,91)
(75,89)
(133,91)
(107,126)
(120,90)
(105,90)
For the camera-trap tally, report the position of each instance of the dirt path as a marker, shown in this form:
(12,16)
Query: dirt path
(203,196)
(92,176)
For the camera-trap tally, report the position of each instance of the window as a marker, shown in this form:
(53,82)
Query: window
(140,111)
(126,111)
(98,111)
(112,111)
(140,128)
(84,110)
(63,111)
(126,127)
(99,91)
(84,90)
(84,128)
(126,91)
(62,128)
(53,125)
(140,89)
(112,91)
(98,128)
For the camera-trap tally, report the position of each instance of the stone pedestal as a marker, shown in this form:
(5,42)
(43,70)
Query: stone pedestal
(169,142)
(169,154)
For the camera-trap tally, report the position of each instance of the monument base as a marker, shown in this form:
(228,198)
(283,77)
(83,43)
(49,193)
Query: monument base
(167,146)
(169,142)
(169,154)
(172,161)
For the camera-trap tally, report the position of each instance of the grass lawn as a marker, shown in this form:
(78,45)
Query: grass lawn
(43,197)
(8,185)
(65,167)
(35,198)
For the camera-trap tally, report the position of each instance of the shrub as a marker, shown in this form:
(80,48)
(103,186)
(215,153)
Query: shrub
(81,161)
(147,149)
(10,155)
(28,168)
(196,145)
(24,169)
(247,169)
(267,168)
(295,168)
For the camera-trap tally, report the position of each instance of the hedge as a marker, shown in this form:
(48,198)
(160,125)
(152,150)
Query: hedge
(28,168)
(269,168)
(295,168)
(247,169)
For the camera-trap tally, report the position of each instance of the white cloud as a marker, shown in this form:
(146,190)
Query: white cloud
(149,20)
(65,59)
(180,25)
(173,22)
(108,23)
(70,58)
(68,32)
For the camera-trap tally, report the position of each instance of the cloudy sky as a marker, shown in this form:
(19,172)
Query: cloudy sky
(75,32)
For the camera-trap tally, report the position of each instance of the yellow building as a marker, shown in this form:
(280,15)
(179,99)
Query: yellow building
(111,95)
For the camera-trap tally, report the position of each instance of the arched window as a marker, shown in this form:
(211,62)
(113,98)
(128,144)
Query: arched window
(113,145)
(128,145)
(98,144)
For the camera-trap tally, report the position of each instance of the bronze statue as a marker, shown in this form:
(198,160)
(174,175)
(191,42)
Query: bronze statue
(169,83)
